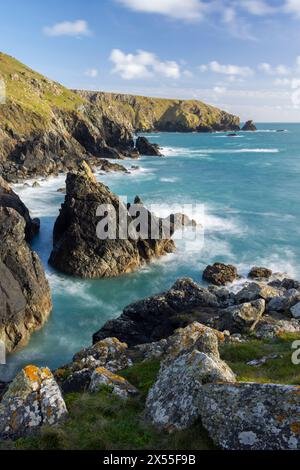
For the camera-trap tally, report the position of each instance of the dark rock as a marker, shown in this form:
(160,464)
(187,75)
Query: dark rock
(220,274)
(145,147)
(260,273)
(25,299)
(249,126)
(157,317)
(242,318)
(8,198)
(77,248)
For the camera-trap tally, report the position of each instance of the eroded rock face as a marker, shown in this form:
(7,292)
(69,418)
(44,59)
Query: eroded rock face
(154,318)
(8,198)
(260,273)
(174,401)
(79,251)
(120,387)
(244,317)
(220,274)
(25,298)
(145,147)
(248,416)
(32,400)
(249,126)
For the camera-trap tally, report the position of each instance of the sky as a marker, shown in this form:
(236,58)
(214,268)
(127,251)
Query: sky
(240,55)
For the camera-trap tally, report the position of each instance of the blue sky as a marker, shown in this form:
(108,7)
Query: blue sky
(242,55)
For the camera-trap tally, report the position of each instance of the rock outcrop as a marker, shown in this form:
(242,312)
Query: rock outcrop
(146,148)
(249,416)
(249,127)
(242,318)
(8,198)
(25,298)
(260,273)
(157,317)
(220,274)
(79,249)
(32,400)
(120,387)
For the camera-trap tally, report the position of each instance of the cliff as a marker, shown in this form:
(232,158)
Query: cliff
(46,128)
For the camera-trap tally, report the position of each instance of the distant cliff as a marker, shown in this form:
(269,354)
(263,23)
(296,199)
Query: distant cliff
(46,128)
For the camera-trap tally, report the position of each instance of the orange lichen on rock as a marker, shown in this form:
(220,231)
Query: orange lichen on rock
(295,427)
(32,373)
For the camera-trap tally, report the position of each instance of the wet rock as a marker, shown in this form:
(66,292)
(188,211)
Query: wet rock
(260,273)
(104,378)
(248,416)
(32,400)
(144,147)
(242,318)
(174,401)
(249,126)
(155,318)
(8,198)
(220,274)
(78,248)
(25,298)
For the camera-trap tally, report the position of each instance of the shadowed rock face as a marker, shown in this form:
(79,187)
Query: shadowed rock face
(8,198)
(249,126)
(145,147)
(78,250)
(25,299)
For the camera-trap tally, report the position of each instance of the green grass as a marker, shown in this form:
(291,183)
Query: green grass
(280,370)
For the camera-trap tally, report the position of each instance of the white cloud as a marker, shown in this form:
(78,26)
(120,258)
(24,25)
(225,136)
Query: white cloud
(257,7)
(220,90)
(278,70)
(232,70)
(92,73)
(68,28)
(292,6)
(143,64)
(179,9)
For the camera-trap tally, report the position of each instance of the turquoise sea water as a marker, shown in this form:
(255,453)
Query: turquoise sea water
(249,189)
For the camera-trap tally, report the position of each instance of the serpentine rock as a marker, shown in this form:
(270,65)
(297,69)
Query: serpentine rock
(25,298)
(249,416)
(79,250)
(32,400)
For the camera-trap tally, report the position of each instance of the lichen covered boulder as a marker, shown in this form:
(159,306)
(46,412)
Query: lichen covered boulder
(242,318)
(32,400)
(173,403)
(103,378)
(249,416)
(220,274)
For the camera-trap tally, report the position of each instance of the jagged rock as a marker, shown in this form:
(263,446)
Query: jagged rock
(271,327)
(184,340)
(104,378)
(249,416)
(285,302)
(260,273)
(145,147)
(108,167)
(25,298)
(154,318)
(8,198)
(220,274)
(109,353)
(32,400)
(78,248)
(242,318)
(254,291)
(174,401)
(249,126)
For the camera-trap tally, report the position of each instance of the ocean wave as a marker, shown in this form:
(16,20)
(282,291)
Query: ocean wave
(188,152)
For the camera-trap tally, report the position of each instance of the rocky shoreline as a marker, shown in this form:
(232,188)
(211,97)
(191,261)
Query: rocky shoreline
(183,329)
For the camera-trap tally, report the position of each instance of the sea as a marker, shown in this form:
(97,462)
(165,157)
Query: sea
(244,193)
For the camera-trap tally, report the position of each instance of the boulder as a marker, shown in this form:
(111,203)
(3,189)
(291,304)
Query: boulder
(295,311)
(144,147)
(78,248)
(249,126)
(242,318)
(174,401)
(285,302)
(157,317)
(32,400)
(25,297)
(184,340)
(271,327)
(249,416)
(102,378)
(260,273)
(8,198)
(220,274)
(255,291)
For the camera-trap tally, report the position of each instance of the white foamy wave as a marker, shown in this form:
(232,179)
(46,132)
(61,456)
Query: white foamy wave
(188,152)
(168,180)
